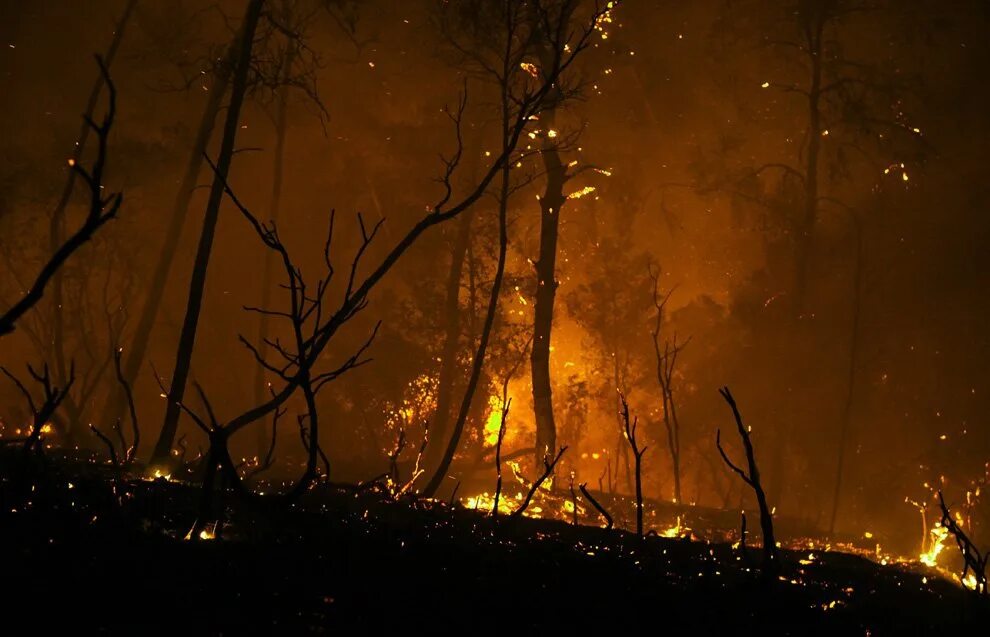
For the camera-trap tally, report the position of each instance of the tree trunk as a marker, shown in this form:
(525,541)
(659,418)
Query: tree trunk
(183,356)
(57,224)
(854,346)
(281,124)
(117,400)
(452,338)
(479,357)
(546,290)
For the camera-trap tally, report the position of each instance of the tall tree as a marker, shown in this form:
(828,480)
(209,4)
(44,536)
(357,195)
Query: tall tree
(138,346)
(507,65)
(187,338)
(551,202)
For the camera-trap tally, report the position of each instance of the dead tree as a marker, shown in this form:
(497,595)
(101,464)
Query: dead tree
(973,560)
(666,358)
(160,276)
(57,225)
(630,434)
(396,487)
(125,456)
(548,467)
(197,284)
(102,208)
(52,397)
(598,507)
(752,478)
(130,451)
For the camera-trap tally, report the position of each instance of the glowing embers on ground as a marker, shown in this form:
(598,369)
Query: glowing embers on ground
(208,533)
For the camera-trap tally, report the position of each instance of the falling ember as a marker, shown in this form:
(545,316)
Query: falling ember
(530,68)
(587,190)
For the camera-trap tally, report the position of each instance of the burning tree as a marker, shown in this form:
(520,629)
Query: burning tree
(528,32)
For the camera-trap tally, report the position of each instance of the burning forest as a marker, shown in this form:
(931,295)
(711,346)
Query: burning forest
(494,315)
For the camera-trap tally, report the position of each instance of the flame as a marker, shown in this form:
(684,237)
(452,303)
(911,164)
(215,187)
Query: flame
(494,421)
(970,582)
(936,544)
(676,531)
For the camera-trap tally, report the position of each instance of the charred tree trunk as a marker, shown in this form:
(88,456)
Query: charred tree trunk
(159,278)
(854,345)
(451,344)
(752,478)
(183,357)
(546,290)
(629,431)
(281,126)
(486,330)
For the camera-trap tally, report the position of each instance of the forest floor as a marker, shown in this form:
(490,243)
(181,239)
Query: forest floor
(82,552)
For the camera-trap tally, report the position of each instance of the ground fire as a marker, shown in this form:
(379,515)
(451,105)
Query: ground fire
(494,315)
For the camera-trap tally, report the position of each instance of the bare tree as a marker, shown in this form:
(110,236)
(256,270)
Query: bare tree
(630,434)
(52,397)
(973,560)
(751,478)
(187,338)
(666,358)
(102,208)
(57,223)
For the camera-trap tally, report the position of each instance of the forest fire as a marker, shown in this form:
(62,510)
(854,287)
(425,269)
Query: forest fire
(320,314)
